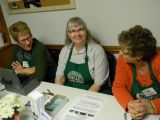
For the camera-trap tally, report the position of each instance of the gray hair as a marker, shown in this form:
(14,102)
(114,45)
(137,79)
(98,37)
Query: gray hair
(74,22)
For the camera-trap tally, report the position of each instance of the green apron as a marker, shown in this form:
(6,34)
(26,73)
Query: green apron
(136,87)
(78,75)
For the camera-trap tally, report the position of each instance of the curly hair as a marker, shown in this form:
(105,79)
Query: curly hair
(17,28)
(139,41)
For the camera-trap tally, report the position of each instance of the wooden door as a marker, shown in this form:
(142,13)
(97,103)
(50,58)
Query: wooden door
(3,28)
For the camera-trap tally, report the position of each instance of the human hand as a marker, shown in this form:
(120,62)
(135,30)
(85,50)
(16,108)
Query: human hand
(147,105)
(17,67)
(134,108)
(139,108)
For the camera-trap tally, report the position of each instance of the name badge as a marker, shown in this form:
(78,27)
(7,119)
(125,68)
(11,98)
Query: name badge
(25,64)
(149,92)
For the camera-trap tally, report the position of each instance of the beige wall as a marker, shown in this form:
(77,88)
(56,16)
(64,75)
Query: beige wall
(105,18)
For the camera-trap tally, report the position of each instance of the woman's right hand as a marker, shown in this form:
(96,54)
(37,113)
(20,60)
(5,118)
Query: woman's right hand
(136,109)
(60,80)
(19,69)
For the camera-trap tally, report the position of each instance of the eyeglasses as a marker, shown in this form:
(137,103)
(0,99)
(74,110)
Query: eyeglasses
(126,53)
(80,30)
(25,39)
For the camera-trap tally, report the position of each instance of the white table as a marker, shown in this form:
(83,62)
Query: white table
(111,111)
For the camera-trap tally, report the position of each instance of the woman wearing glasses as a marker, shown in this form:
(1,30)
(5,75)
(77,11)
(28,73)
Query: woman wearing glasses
(29,57)
(82,61)
(137,80)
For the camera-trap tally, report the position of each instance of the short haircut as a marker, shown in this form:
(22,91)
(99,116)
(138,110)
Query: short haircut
(17,28)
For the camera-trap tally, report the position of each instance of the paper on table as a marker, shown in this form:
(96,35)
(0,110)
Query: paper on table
(152,117)
(85,107)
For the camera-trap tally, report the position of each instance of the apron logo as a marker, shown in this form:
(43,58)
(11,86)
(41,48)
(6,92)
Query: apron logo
(74,76)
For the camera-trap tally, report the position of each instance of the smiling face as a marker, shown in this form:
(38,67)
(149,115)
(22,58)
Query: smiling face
(77,34)
(21,33)
(25,41)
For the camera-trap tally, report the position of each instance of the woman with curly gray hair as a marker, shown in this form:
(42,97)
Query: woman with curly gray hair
(137,80)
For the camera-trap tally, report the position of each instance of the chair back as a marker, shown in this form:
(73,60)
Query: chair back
(112,66)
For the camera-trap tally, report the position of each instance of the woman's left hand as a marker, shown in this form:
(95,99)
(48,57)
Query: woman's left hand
(144,109)
(17,67)
(139,109)
(135,109)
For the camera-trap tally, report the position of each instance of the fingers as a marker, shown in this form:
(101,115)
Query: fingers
(137,116)
(137,109)
(134,104)
(146,105)
(16,65)
(138,96)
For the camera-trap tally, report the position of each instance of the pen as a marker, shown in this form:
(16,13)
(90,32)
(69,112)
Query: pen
(125,116)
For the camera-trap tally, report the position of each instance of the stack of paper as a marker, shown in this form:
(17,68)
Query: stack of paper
(85,107)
